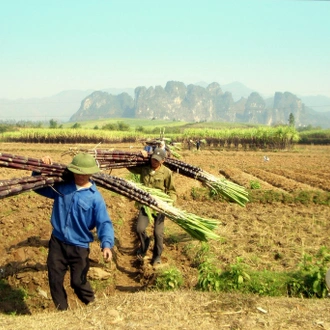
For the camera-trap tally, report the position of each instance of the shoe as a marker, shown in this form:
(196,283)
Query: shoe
(146,244)
(142,253)
(139,254)
(156,261)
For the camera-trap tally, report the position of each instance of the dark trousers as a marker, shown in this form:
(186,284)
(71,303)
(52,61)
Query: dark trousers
(62,257)
(142,224)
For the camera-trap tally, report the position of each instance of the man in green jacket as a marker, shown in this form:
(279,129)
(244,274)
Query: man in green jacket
(155,175)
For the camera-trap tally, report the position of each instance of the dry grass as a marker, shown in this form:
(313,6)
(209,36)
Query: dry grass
(182,310)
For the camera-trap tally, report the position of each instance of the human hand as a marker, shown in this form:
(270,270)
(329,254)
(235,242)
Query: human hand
(47,160)
(107,254)
(144,153)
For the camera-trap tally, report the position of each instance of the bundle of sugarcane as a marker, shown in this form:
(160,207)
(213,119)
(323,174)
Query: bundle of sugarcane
(174,148)
(109,159)
(198,227)
(229,190)
(30,164)
(19,185)
(50,174)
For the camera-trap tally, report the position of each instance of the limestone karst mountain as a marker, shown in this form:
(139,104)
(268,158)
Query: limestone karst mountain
(194,103)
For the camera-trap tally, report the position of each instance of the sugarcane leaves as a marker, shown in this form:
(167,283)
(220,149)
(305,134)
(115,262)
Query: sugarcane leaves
(229,190)
(149,212)
(197,227)
(109,159)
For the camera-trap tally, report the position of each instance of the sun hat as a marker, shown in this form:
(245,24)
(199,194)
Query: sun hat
(83,163)
(159,154)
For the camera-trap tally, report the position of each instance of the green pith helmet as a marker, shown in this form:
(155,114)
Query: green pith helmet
(83,163)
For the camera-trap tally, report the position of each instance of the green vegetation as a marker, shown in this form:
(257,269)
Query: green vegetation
(14,299)
(41,135)
(76,125)
(280,137)
(257,195)
(133,123)
(308,280)
(291,120)
(118,126)
(255,184)
(215,134)
(99,285)
(275,138)
(315,136)
(169,279)
(297,197)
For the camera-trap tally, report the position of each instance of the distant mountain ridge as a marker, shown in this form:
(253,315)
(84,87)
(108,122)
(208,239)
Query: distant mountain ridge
(60,107)
(237,89)
(64,105)
(194,103)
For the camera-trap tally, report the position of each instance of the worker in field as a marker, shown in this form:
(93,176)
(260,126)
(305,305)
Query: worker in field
(155,175)
(150,146)
(198,144)
(162,145)
(78,208)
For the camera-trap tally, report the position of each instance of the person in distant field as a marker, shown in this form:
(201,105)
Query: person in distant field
(78,208)
(149,149)
(189,144)
(198,144)
(162,145)
(154,175)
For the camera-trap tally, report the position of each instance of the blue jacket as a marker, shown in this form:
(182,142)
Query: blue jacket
(76,212)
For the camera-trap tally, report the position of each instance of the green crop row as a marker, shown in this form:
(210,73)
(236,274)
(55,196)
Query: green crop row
(262,137)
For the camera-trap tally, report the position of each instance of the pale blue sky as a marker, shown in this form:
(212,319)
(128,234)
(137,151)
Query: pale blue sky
(48,46)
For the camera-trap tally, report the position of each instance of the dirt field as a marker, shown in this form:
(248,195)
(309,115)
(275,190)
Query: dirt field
(259,233)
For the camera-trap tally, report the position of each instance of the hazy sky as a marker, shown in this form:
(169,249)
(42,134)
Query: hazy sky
(48,46)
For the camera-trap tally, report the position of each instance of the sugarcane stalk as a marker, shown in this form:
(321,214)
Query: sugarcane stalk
(121,159)
(122,187)
(229,190)
(29,164)
(197,227)
(20,181)
(24,185)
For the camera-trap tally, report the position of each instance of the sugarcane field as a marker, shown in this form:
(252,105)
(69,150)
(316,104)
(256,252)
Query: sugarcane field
(260,261)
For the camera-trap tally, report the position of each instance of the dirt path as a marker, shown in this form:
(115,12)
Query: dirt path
(128,276)
(132,274)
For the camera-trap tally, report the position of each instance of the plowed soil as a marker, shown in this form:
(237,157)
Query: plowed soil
(268,236)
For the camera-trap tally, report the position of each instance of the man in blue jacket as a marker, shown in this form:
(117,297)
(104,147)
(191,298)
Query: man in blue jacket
(78,208)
